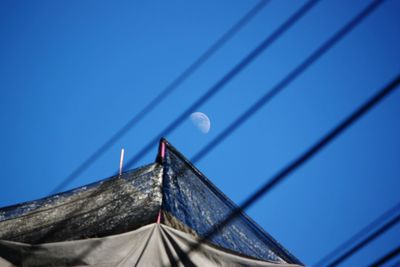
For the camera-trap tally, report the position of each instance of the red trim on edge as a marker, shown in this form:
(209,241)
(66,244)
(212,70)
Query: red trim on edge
(159,217)
(162,152)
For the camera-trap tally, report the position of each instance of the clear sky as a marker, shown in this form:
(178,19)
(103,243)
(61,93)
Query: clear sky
(72,73)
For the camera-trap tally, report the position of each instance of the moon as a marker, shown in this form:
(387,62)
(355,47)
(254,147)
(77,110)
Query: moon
(201,121)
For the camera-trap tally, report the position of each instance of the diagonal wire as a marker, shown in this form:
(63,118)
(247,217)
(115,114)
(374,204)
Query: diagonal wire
(306,156)
(381,230)
(363,232)
(285,26)
(331,136)
(273,37)
(287,80)
(303,158)
(224,80)
(164,93)
(387,257)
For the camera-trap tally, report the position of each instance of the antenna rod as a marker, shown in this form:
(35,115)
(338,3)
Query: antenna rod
(121,161)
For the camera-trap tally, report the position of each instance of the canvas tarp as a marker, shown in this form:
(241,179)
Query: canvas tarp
(189,197)
(108,207)
(150,245)
(171,190)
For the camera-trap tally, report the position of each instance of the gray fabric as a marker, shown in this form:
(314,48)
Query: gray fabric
(191,199)
(112,206)
(93,224)
(150,245)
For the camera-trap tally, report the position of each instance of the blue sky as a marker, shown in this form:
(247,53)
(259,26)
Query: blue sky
(72,74)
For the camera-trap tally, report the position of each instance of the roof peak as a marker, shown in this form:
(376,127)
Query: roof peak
(172,186)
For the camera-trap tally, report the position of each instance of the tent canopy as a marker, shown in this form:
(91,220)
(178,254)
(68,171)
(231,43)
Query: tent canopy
(170,191)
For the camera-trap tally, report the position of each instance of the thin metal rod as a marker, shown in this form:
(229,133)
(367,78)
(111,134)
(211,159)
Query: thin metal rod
(121,161)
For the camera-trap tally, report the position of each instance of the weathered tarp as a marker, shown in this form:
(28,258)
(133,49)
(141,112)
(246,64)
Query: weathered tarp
(108,207)
(150,245)
(193,200)
(171,190)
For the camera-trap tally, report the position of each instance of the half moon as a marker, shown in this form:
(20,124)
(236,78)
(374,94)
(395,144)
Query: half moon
(201,121)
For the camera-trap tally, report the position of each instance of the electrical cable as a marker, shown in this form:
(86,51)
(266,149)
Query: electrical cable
(287,80)
(319,145)
(268,41)
(298,162)
(163,95)
(381,230)
(363,232)
(387,257)
(223,81)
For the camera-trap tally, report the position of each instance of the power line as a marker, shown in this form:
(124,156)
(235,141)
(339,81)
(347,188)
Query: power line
(381,230)
(224,80)
(287,80)
(164,93)
(363,232)
(284,27)
(303,158)
(387,257)
(269,40)
(322,143)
